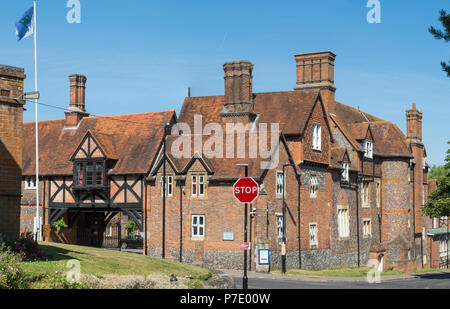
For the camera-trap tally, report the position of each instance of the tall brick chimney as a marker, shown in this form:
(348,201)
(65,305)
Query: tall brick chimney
(11,148)
(414,123)
(238,90)
(77,106)
(316,71)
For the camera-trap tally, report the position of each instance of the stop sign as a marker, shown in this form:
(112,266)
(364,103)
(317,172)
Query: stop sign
(246,190)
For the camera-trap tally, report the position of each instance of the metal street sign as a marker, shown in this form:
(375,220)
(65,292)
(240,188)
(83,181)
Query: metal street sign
(246,190)
(245,246)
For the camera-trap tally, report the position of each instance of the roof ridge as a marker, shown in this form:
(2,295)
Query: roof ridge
(107,116)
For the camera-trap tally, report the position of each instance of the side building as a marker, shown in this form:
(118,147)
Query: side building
(92,171)
(352,183)
(11,142)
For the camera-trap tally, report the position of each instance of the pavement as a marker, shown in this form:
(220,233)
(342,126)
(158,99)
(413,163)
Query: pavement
(434,280)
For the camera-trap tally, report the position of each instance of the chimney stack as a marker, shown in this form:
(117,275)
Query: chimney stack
(77,106)
(316,71)
(414,124)
(238,89)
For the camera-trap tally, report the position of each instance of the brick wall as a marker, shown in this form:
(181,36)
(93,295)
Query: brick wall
(11,143)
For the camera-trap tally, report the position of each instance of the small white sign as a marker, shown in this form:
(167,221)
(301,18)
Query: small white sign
(228,236)
(263,255)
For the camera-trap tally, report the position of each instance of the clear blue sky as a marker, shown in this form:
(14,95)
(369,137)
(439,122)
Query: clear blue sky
(141,56)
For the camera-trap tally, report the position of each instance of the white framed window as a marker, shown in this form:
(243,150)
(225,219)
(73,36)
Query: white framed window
(314,185)
(280,227)
(343,222)
(313,235)
(368,149)
(169,185)
(109,231)
(367,227)
(198,226)
(365,194)
(201,185)
(316,136)
(345,171)
(198,185)
(280,184)
(30,183)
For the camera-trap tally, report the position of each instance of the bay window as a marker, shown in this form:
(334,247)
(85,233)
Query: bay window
(89,173)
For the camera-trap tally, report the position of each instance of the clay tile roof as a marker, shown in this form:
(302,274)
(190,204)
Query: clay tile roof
(131,139)
(272,107)
(349,115)
(389,139)
(219,167)
(338,155)
(359,130)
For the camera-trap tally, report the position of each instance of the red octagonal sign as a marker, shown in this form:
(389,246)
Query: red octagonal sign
(246,190)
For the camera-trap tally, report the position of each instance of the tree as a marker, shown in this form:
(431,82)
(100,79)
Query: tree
(437,172)
(443,35)
(438,204)
(131,228)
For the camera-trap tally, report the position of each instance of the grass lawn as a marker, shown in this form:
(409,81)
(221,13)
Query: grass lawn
(99,262)
(344,272)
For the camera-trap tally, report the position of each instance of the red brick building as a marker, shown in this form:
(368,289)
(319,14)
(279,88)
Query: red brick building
(91,169)
(353,189)
(355,192)
(11,145)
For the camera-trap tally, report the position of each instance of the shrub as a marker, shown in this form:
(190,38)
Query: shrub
(28,247)
(11,273)
(131,228)
(57,280)
(60,224)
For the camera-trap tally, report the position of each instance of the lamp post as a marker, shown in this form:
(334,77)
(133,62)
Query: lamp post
(245,277)
(283,249)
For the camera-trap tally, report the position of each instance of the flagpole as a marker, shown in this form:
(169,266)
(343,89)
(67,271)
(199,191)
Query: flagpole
(37,222)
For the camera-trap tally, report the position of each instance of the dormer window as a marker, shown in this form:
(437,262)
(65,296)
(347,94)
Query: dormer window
(317,137)
(368,149)
(345,172)
(89,174)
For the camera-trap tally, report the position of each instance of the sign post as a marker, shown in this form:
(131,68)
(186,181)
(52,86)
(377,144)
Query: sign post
(245,190)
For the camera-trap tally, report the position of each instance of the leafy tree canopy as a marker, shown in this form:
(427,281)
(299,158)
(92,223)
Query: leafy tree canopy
(443,35)
(438,204)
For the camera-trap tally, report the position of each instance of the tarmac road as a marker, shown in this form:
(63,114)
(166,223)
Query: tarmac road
(440,280)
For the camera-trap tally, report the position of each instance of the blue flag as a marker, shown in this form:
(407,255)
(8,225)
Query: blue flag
(25,26)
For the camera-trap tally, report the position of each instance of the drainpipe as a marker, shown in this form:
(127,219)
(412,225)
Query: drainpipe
(357,220)
(145,216)
(181,223)
(298,219)
(414,208)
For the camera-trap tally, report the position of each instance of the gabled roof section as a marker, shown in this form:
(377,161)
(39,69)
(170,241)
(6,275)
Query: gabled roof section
(340,155)
(389,140)
(361,131)
(94,146)
(271,107)
(356,146)
(132,139)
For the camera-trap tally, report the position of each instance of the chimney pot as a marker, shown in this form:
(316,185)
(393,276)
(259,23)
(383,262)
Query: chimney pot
(238,89)
(315,71)
(77,106)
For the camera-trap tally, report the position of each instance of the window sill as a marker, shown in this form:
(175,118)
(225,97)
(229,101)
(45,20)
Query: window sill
(197,238)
